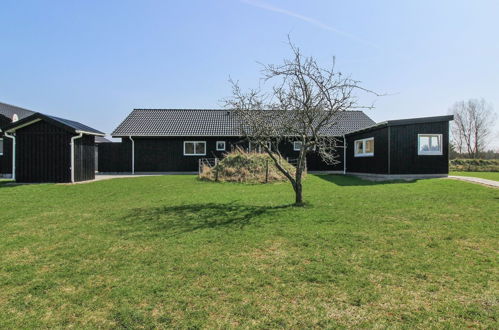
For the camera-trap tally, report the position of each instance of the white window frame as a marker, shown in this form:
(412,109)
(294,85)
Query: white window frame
(220,149)
(195,154)
(364,153)
(3,146)
(294,146)
(430,153)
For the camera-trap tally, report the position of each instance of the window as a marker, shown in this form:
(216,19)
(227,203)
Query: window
(297,145)
(1,147)
(220,145)
(194,148)
(364,147)
(430,144)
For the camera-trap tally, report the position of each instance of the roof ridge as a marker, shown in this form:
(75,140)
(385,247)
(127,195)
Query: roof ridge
(208,109)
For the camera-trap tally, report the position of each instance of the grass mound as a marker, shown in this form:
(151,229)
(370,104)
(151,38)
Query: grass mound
(242,166)
(474,165)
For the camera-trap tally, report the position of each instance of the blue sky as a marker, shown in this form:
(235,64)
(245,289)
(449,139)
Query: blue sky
(94,61)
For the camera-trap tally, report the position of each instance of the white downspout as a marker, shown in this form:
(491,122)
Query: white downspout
(73,155)
(133,154)
(344,155)
(13,137)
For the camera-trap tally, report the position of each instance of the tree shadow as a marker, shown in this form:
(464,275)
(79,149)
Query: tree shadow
(350,180)
(170,221)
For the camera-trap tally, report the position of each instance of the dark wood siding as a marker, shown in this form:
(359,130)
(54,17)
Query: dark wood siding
(404,149)
(377,164)
(43,153)
(166,154)
(85,158)
(114,157)
(6,158)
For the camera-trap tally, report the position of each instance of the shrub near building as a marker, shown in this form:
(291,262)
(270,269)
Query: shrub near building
(249,167)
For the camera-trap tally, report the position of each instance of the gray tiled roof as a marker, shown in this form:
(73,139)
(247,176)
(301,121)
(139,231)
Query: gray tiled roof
(9,111)
(211,122)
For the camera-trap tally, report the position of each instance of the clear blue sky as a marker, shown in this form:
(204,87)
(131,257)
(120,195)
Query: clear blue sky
(93,61)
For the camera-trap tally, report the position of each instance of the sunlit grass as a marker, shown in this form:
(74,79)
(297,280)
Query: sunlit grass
(173,251)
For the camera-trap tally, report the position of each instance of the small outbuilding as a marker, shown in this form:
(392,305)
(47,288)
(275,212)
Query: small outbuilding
(51,149)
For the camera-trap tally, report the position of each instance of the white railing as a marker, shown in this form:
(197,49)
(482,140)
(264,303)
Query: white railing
(209,162)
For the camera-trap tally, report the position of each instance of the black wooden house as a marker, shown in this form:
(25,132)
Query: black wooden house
(51,149)
(174,140)
(8,114)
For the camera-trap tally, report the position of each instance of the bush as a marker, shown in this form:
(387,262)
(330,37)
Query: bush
(474,165)
(241,166)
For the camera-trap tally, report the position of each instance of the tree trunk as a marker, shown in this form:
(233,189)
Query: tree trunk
(298,193)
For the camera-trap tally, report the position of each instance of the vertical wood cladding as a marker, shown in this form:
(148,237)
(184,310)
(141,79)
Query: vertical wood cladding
(43,153)
(376,164)
(166,154)
(6,158)
(404,149)
(114,157)
(85,158)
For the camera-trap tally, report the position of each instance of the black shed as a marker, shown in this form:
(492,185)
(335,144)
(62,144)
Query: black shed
(51,149)
(405,147)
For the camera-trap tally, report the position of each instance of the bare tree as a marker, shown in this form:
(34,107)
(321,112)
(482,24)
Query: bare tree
(472,126)
(303,105)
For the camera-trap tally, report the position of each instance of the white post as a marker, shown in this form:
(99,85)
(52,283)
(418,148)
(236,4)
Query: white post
(73,155)
(133,154)
(13,137)
(344,155)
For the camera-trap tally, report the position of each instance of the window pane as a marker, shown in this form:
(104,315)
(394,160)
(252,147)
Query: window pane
(435,143)
(189,148)
(1,147)
(359,147)
(200,148)
(297,145)
(220,145)
(370,146)
(424,143)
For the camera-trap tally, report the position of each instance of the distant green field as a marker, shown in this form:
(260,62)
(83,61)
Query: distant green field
(483,175)
(175,252)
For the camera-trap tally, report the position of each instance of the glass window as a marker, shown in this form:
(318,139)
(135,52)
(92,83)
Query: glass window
(364,147)
(220,145)
(1,147)
(194,148)
(297,145)
(429,144)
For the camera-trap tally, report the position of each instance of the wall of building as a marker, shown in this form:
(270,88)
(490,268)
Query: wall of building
(166,154)
(85,158)
(6,158)
(43,153)
(376,164)
(404,149)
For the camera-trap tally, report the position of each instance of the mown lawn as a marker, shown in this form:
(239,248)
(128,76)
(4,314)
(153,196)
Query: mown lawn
(483,175)
(176,252)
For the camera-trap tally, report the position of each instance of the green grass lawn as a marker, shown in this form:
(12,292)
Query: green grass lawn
(483,175)
(176,252)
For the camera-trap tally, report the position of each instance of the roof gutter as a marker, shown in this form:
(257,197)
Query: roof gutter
(13,137)
(73,155)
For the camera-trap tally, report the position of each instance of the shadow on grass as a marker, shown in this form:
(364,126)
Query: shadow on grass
(350,180)
(175,220)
